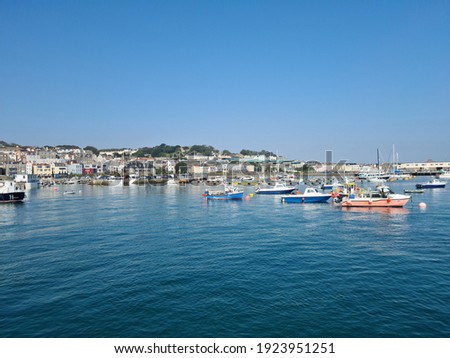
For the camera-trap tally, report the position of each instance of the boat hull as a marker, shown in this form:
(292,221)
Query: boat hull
(275,191)
(231,196)
(304,199)
(430,186)
(12,197)
(331,187)
(375,202)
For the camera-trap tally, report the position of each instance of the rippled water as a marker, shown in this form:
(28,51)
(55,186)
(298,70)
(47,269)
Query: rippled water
(163,262)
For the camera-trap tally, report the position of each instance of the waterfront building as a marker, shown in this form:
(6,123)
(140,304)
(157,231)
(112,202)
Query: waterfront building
(59,169)
(75,168)
(427,167)
(42,170)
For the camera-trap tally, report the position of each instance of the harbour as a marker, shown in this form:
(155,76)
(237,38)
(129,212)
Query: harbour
(163,261)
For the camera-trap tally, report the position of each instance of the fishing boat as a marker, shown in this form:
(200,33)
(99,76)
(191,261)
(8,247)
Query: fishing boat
(310,195)
(432,184)
(382,197)
(9,191)
(229,193)
(278,188)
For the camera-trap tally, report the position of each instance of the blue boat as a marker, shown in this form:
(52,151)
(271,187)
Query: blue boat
(432,184)
(229,193)
(278,188)
(310,195)
(333,185)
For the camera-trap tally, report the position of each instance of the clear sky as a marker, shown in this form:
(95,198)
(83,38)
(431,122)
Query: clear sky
(297,77)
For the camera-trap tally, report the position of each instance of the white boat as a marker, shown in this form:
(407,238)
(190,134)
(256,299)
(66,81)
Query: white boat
(115,181)
(445,175)
(376,180)
(28,181)
(278,188)
(432,184)
(172,181)
(133,179)
(215,180)
(248,179)
(9,191)
(333,185)
(373,175)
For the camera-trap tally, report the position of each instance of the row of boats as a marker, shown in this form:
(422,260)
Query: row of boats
(346,196)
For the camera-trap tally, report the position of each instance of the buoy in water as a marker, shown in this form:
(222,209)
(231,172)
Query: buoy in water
(422,205)
(247,197)
(251,195)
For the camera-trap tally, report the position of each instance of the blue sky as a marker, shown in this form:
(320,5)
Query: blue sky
(297,77)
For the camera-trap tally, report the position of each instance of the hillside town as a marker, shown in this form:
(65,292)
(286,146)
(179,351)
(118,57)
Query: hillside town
(198,161)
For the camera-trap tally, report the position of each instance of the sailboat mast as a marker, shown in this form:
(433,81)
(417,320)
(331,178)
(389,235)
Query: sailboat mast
(378,159)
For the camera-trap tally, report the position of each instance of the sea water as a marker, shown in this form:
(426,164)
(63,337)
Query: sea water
(163,262)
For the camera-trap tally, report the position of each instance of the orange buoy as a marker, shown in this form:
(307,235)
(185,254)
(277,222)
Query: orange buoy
(389,200)
(422,205)
(297,192)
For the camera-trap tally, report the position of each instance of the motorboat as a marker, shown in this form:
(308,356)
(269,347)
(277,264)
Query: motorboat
(382,197)
(228,193)
(9,191)
(310,195)
(445,175)
(278,188)
(432,184)
(333,186)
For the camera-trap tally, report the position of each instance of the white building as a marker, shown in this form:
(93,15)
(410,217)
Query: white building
(424,167)
(76,169)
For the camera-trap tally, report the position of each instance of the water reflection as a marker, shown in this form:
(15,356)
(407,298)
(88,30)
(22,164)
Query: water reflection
(377,210)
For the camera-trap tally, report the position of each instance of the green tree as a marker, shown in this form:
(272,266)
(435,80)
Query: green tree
(92,149)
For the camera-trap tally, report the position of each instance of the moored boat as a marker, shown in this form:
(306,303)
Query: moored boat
(310,195)
(445,175)
(432,184)
(229,193)
(332,186)
(278,188)
(28,181)
(9,191)
(382,197)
